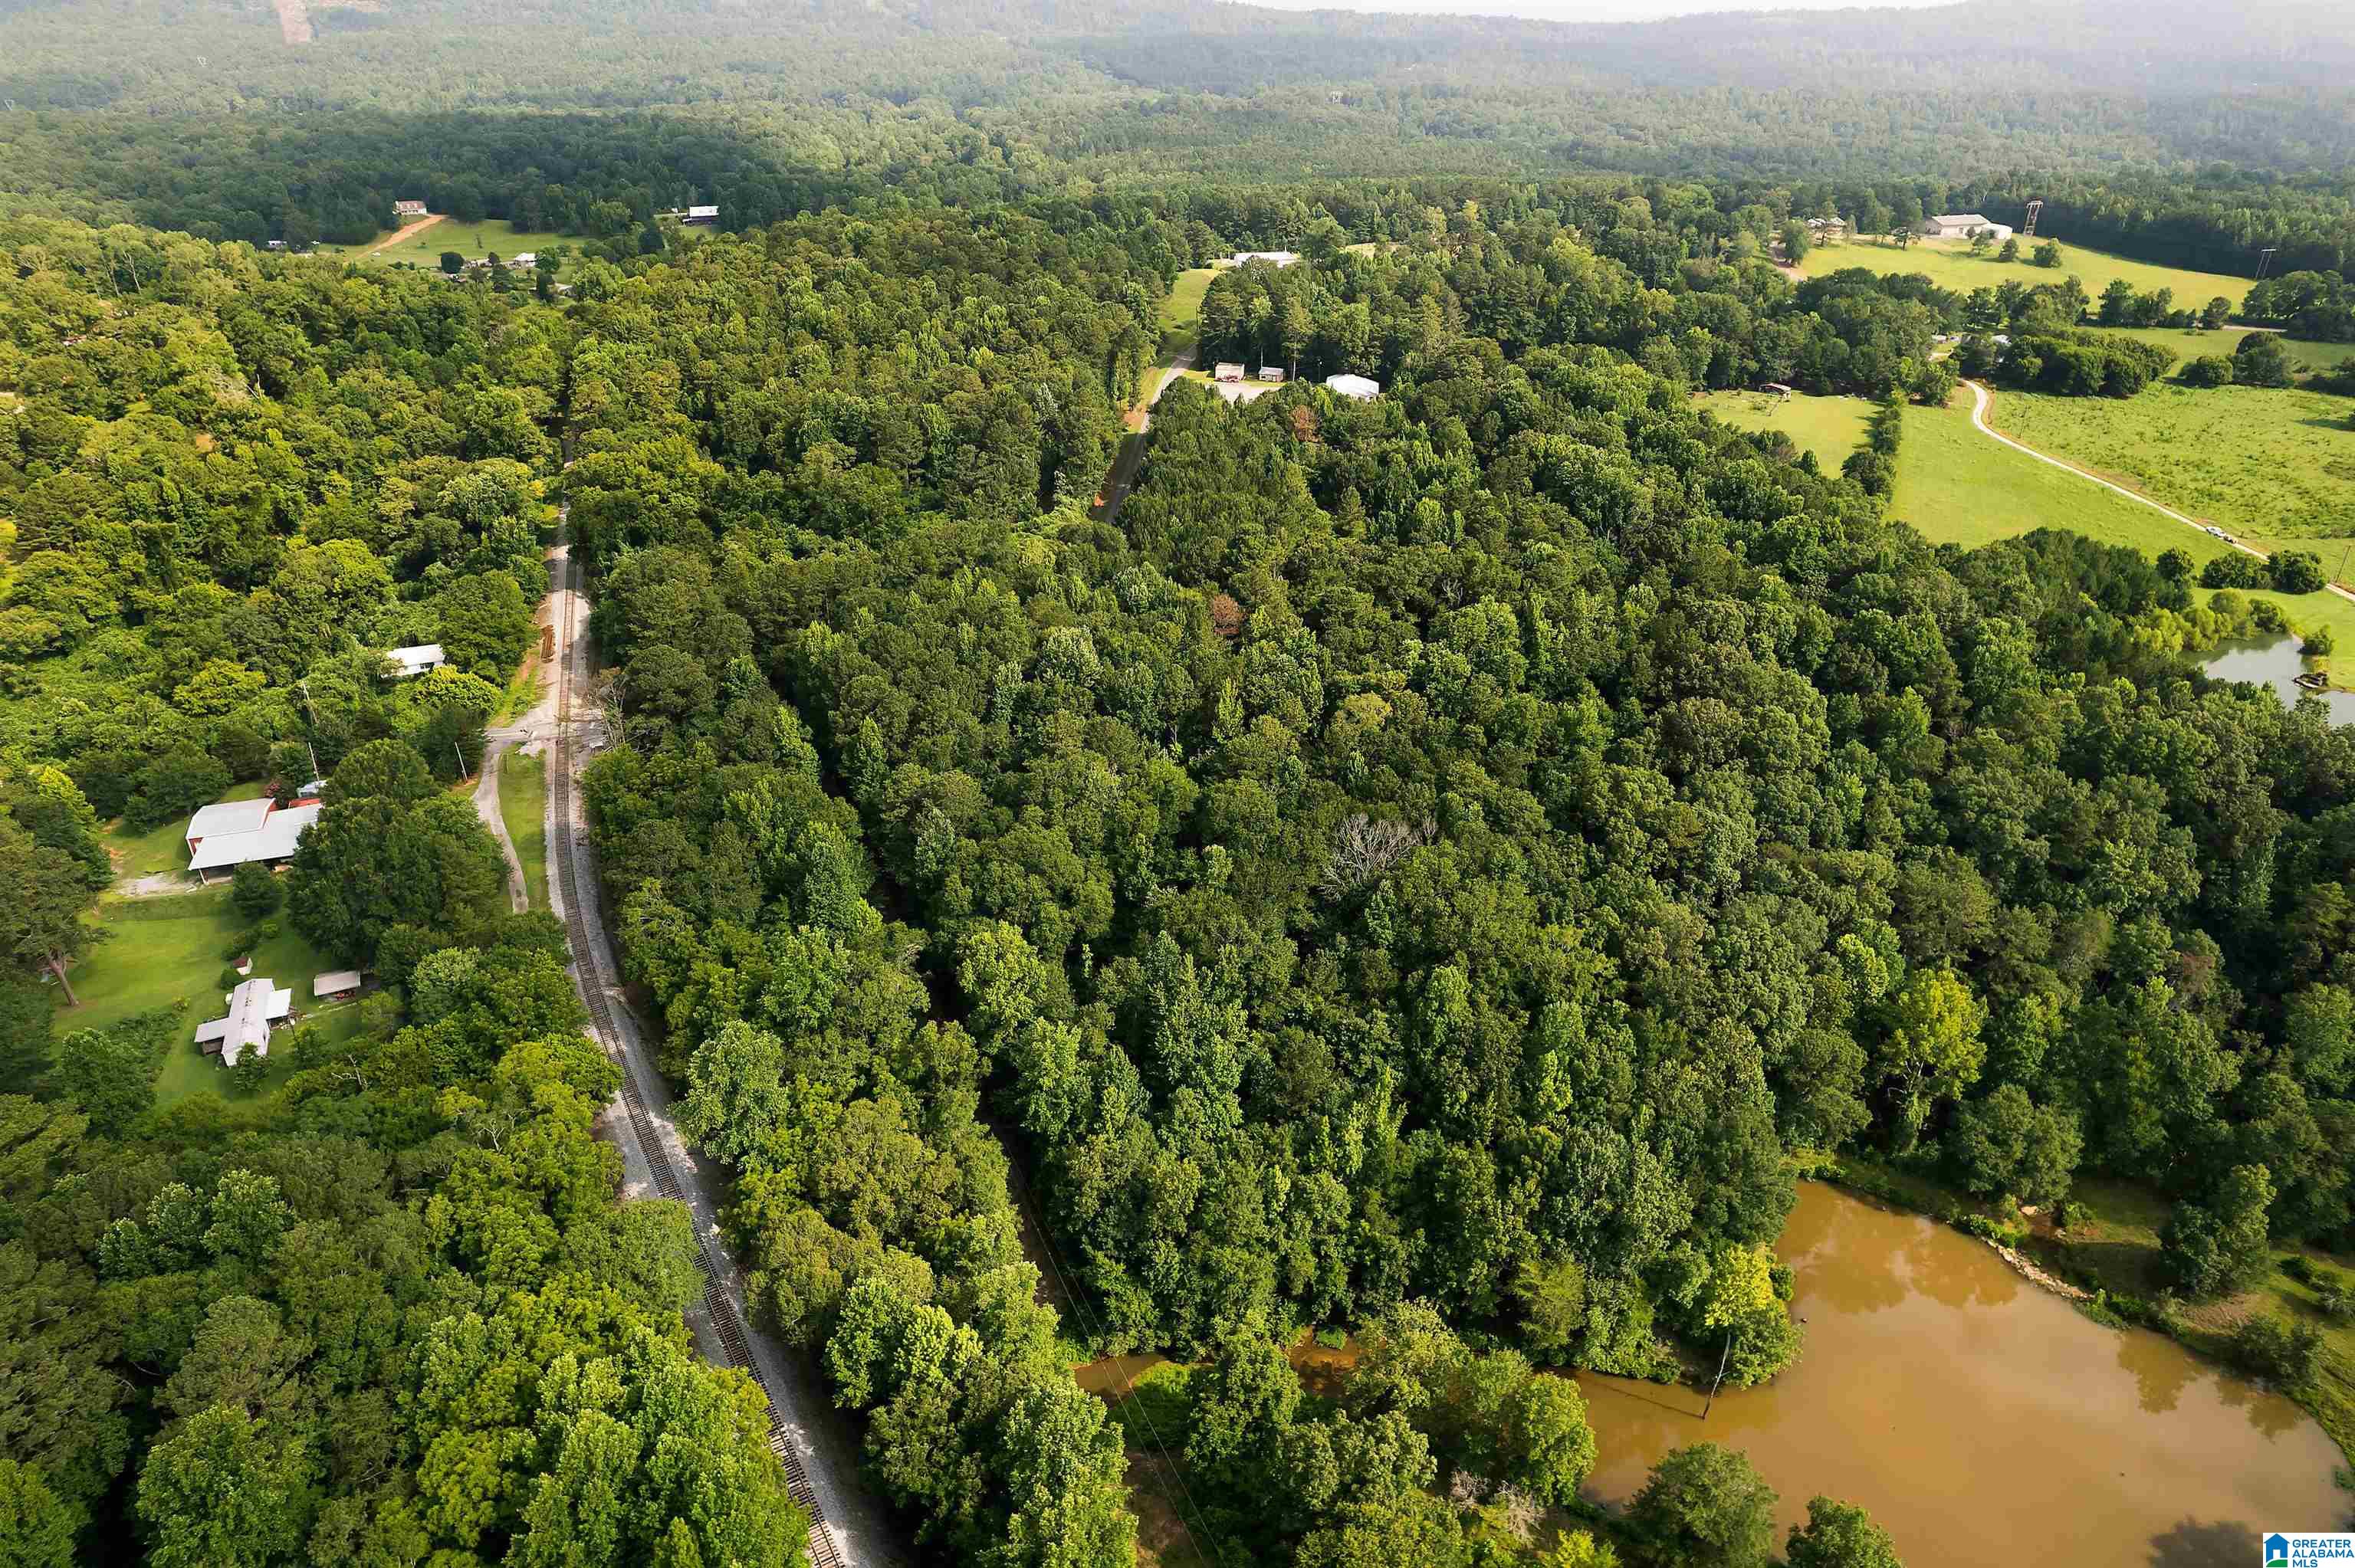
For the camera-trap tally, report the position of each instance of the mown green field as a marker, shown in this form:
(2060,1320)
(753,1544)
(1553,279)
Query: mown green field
(1950,264)
(2272,466)
(1831,428)
(1181,318)
(522,806)
(471,240)
(167,950)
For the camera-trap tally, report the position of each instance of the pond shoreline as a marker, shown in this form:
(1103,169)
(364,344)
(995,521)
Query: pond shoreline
(2116,1313)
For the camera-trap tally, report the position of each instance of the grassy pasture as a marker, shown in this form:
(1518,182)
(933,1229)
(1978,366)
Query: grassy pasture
(1950,264)
(1958,487)
(2193,343)
(2272,466)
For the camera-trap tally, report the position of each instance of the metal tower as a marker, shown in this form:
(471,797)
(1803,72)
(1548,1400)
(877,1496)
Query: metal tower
(2028,229)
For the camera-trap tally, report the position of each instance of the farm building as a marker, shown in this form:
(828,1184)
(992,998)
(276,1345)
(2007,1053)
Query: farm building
(701,215)
(336,983)
(253,1007)
(409,663)
(1227,371)
(226,835)
(408,211)
(1356,386)
(1827,228)
(1273,258)
(1270,373)
(1963,224)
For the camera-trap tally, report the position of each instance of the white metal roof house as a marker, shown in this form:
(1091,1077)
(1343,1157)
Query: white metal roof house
(1356,386)
(336,982)
(253,1007)
(405,210)
(1227,371)
(1962,225)
(701,214)
(415,661)
(265,831)
(228,817)
(1273,258)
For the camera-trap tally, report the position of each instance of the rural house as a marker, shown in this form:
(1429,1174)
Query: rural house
(1356,386)
(1270,373)
(701,214)
(1273,258)
(1227,371)
(253,1007)
(1963,224)
(407,212)
(228,833)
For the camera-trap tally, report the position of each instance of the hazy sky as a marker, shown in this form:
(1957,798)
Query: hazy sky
(1579,10)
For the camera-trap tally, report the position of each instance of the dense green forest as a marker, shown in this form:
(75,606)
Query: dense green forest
(1438,869)
(1442,857)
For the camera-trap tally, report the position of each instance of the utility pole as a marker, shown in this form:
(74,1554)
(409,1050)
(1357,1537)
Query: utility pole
(1723,1357)
(313,714)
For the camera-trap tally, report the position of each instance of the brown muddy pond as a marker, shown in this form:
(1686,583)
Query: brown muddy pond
(1983,1421)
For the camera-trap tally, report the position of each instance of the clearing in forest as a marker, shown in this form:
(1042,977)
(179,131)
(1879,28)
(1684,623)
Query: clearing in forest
(1950,264)
(294,20)
(408,232)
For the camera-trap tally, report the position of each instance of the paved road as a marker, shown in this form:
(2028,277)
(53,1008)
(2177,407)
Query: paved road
(816,1442)
(1981,399)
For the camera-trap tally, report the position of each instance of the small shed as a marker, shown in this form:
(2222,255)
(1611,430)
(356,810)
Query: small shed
(1227,371)
(1778,387)
(409,662)
(1270,373)
(336,983)
(1358,387)
(705,215)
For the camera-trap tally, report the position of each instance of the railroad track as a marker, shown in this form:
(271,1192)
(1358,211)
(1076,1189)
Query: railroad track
(719,1302)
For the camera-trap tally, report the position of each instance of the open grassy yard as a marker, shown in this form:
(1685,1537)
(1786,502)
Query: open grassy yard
(1831,428)
(1950,264)
(471,240)
(522,806)
(1181,318)
(2269,465)
(167,950)
(161,849)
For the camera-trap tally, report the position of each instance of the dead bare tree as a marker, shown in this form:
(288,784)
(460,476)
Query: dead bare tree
(1366,848)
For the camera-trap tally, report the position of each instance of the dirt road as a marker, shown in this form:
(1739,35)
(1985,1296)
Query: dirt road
(419,226)
(1980,400)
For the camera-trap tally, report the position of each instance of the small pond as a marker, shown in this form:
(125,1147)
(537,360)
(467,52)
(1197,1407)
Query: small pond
(2273,662)
(1983,1420)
